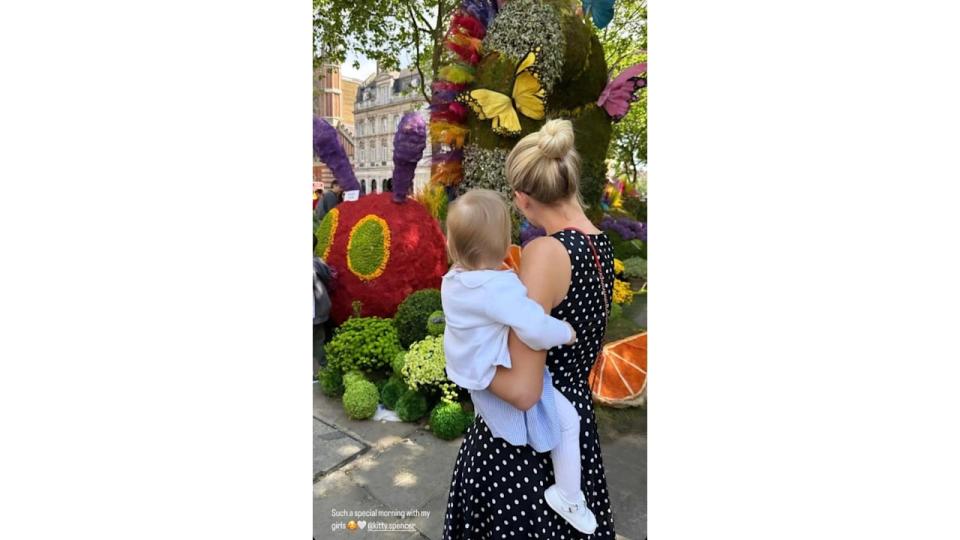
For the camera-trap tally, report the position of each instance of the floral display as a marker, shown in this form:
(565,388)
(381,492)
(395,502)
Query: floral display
(622,293)
(626,228)
(492,43)
(425,368)
(382,251)
(618,266)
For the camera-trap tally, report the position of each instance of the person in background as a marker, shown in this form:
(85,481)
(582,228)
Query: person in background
(323,277)
(317,193)
(328,201)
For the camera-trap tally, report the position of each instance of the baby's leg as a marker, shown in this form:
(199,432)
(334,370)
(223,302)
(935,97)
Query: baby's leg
(566,456)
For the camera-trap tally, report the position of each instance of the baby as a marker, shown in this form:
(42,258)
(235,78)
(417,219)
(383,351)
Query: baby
(481,303)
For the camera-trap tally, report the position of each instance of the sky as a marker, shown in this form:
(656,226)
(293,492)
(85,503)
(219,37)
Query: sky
(367,66)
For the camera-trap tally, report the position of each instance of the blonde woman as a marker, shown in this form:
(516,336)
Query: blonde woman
(500,490)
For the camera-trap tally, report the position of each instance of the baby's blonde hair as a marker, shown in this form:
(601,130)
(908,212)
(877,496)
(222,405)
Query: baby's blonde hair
(545,165)
(478,229)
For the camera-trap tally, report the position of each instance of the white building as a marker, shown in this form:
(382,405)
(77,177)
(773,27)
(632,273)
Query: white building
(381,101)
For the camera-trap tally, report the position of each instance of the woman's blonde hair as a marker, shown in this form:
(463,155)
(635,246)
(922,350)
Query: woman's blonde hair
(478,229)
(545,165)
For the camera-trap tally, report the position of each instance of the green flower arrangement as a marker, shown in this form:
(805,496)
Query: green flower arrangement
(360,400)
(449,420)
(411,406)
(616,311)
(412,315)
(436,323)
(392,391)
(363,343)
(425,368)
(331,382)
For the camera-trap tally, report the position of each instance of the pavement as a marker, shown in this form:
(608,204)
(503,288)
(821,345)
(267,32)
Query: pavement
(396,475)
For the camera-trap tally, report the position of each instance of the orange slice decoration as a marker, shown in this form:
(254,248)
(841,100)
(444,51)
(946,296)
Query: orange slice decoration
(619,377)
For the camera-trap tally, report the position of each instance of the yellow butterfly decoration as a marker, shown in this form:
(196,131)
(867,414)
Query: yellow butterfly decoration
(528,98)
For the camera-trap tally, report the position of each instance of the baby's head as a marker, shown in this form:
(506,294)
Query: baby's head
(478,230)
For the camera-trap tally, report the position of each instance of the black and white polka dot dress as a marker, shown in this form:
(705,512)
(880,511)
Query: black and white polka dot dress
(497,488)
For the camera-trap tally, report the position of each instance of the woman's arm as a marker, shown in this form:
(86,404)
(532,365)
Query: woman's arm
(545,271)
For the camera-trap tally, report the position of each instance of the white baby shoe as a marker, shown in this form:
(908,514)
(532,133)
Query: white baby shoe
(576,513)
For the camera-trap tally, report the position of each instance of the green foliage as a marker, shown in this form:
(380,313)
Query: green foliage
(436,323)
(331,381)
(397,363)
(616,311)
(360,400)
(634,207)
(449,420)
(425,367)
(628,249)
(635,268)
(364,343)
(392,391)
(412,315)
(411,406)
(383,30)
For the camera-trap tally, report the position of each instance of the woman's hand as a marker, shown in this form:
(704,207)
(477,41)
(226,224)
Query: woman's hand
(545,271)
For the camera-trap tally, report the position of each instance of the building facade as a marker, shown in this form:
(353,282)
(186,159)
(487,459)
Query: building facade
(334,97)
(381,101)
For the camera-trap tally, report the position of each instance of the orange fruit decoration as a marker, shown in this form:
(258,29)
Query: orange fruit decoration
(619,377)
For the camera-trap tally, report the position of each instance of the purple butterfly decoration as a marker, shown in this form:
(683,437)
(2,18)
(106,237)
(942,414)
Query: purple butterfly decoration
(622,91)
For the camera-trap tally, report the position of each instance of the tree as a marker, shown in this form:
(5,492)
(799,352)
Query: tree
(625,43)
(384,31)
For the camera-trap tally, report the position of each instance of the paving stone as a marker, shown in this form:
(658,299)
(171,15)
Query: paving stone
(625,461)
(408,475)
(337,492)
(332,447)
(378,434)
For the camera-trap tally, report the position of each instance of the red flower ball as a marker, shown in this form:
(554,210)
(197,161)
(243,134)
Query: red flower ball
(382,251)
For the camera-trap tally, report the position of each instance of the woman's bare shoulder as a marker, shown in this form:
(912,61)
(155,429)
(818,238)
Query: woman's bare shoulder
(545,249)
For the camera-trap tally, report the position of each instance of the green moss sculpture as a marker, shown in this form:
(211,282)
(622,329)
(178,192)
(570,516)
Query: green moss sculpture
(449,420)
(392,391)
(353,376)
(411,406)
(412,315)
(360,400)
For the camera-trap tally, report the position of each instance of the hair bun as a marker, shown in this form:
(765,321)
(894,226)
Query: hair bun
(556,138)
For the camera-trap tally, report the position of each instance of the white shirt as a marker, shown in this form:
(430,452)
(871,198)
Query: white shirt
(479,308)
